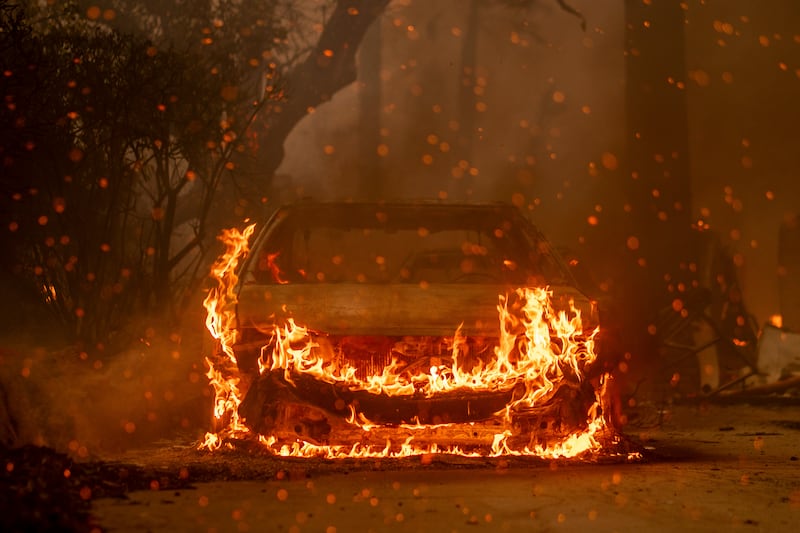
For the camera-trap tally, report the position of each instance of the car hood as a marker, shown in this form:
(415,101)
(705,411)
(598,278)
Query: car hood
(391,309)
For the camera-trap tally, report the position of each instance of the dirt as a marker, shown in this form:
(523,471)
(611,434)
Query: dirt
(704,467)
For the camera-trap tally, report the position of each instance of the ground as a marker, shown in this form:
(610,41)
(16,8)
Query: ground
(91,461)
(706,467)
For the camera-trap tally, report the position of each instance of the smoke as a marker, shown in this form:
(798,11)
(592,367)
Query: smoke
(548,123)
(91,404)
(545,100)
(743,117)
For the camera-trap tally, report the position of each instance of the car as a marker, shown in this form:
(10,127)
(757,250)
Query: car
(362,322)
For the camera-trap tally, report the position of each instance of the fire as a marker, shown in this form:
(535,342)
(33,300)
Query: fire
(223,374)
(538,349)
(273,268)
(539,363)
(574,445)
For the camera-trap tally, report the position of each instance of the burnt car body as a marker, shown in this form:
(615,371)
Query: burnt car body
(379,284)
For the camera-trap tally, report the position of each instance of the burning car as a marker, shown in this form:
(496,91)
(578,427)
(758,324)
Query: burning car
(396,328)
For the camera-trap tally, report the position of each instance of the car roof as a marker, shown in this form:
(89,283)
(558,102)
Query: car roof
(401,204)
(404,212)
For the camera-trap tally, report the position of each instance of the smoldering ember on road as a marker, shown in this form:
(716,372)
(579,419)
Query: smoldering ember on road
(394,264)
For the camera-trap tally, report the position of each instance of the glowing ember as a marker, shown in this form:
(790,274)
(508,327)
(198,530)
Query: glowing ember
(539,352)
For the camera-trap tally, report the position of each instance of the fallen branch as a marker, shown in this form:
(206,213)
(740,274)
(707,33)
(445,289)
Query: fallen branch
(770,388)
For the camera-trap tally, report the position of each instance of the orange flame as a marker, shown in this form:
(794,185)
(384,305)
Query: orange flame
(223,373)
(574,445)
(274,269)
(538,364)
(538,348)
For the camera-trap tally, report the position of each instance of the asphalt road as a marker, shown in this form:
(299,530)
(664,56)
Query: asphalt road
(706,468)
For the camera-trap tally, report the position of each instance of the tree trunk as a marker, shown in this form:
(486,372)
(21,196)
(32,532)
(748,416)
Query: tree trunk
(657,151)
(330,66)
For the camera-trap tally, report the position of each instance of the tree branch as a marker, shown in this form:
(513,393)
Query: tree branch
(571,10)
(329,67)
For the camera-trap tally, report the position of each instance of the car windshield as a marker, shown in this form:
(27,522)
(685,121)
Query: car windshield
(428,244)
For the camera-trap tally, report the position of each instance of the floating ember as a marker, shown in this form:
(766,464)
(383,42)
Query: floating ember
(531,388)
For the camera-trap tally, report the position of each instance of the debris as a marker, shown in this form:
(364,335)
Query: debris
(776,387)
(778,353)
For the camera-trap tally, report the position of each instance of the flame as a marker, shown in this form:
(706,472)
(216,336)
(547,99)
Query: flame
(574,445)
(536,362)
(538,348)
(223,373)
(274,269)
